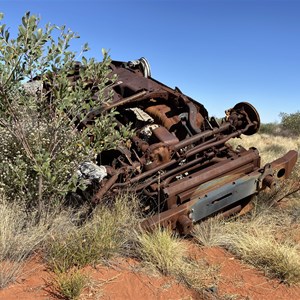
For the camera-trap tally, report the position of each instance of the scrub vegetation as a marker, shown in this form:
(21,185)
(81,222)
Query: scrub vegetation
(41,148)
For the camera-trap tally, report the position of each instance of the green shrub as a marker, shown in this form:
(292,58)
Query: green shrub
(269,128)
(40,146)
(291,122)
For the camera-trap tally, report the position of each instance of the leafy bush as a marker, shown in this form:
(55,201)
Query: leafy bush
(269,128)
(40,146)
(291,122)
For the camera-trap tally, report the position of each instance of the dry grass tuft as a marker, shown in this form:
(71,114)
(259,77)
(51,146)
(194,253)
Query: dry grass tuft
(106,234)
(161,250)
(199,276)
(21,235)
(210,233)
(70,285)
(277,259)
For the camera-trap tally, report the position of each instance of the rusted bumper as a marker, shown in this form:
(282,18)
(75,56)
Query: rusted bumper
(229,193)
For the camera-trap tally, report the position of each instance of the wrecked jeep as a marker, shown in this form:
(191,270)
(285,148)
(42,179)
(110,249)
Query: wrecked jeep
(178,160)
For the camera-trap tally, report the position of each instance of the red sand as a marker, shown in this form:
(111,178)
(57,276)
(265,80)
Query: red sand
(123,281)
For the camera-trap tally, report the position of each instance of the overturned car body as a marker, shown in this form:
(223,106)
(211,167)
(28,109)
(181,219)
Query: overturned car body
(178,161)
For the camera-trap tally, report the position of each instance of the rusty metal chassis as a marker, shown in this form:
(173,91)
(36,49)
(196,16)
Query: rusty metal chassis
(184,170)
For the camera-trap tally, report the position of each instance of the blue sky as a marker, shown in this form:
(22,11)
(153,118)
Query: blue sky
(217,52)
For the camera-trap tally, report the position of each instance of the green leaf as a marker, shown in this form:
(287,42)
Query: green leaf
(104,52)
(22,30)
(85,47)
(57,60)
(2,29)
(39,33)
(84,60)
(1,16)
(6,36)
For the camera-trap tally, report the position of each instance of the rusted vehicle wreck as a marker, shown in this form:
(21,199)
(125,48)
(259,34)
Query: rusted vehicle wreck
(178,161)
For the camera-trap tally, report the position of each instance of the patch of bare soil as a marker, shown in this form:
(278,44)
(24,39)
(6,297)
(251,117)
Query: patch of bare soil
(124,280)
(32,283)
(240,281)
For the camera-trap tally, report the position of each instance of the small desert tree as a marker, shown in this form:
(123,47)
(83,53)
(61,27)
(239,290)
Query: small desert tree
(291,122)
(40,145)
